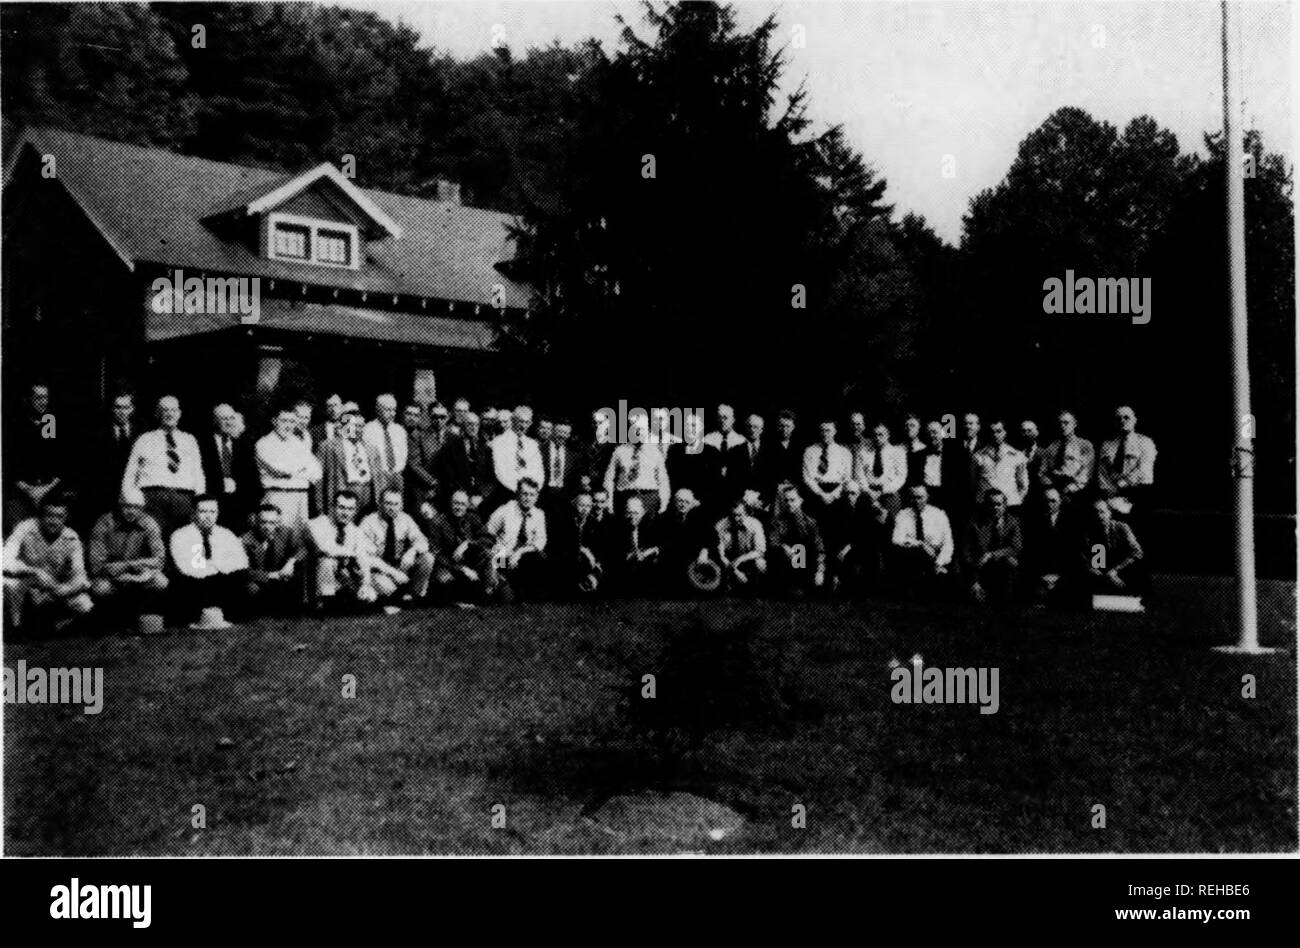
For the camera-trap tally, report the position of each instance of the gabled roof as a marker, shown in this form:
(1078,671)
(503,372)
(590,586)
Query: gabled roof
(271,195)
(152,206)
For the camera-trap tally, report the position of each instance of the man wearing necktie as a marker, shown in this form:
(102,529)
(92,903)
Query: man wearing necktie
(516,456)
(399,549)
(1126,470)
(167,465)
(991,552)
(228,466)
(518,527)
(344,567)
(210,562)
(389,439)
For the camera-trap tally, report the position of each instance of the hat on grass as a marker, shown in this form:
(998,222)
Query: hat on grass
(706,576)
(210,620)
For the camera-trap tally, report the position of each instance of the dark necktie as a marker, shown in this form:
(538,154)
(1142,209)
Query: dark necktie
(173,453)
(824,466)
(390,542)
(390,454)
(521,538)
(342,535)
(878,463)
(225,456)
(519,452)
(207,546)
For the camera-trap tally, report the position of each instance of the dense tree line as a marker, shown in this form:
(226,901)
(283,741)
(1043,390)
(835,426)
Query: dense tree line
(690,233)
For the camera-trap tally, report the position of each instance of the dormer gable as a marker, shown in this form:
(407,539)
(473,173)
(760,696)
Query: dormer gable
(317,218)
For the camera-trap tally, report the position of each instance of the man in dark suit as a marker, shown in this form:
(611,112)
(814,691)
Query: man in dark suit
(694,466)
(992,551)
(560,464)
(331,425)
(632,551)
(592,458)
(1051,548)
(111,438)
(465,463)
(229,468)
(460,545)
(959,474)
(779,458)
(424,442)
(277,560)
(350,463)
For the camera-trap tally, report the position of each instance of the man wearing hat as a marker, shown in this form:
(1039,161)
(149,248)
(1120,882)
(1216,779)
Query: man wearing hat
(125,557)
(350,463)
(212,567)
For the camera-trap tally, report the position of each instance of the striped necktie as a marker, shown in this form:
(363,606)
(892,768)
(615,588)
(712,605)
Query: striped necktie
(173,453)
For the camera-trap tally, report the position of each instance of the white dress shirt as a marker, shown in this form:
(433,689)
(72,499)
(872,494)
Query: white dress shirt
(286,463)
(504,527)
(374,533)
(838,471)
(147,464)
(638,467)
(1131,457)
(935,529)
(893,463)
(324,538)
(228,553)
(373,434)
(515,456)
(1001,468)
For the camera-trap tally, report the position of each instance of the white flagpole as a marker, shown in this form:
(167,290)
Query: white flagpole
(1243,501)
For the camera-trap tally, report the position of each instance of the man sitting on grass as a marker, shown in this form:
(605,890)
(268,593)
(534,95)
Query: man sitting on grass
(461,546)
(210,561)
(518,529)
(398,549)
(126,555)
(1112,557)
(921,546)
(684,538)
(633,554)
(275,557)
(45,569)
(991,552)
(344,569)
(741,549)
(798,557)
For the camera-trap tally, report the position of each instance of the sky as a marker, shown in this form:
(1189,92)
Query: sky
(916,82)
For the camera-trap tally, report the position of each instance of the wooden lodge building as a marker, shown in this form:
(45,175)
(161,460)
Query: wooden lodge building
(358,291)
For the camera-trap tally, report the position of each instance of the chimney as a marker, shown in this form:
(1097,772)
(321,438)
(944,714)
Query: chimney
(448,190)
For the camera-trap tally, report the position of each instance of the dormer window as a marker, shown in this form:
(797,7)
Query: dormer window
(307,240)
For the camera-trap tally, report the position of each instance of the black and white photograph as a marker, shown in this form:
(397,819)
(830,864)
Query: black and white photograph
(600,429)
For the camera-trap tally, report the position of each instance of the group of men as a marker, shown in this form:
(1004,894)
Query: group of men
(441,505)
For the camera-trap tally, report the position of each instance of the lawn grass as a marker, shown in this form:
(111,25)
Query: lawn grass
(526,706)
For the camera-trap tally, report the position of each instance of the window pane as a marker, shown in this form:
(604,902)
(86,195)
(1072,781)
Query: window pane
(333,247)
(290,241)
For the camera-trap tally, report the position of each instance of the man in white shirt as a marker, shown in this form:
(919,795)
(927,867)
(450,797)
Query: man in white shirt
(388,438)
(731,457)
(166,465)
(999,466)
(516,456)
(1068,461)
(827,468)
(518,531)
(1127,464)
(210,560)
(881,469)
(344,568)
(399,550)
(922,543)
(638,470)
(741,549)
(288,469)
